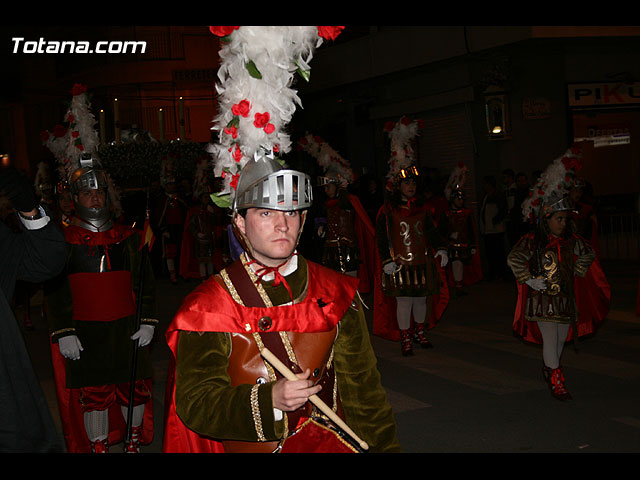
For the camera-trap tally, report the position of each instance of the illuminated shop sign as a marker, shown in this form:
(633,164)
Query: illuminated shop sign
(603,94)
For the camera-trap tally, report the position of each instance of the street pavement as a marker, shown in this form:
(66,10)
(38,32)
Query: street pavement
(480,390)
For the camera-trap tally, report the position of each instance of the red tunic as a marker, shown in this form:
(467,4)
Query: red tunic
(69,400)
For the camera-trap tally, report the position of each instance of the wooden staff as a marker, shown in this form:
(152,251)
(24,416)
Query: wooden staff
(289,375)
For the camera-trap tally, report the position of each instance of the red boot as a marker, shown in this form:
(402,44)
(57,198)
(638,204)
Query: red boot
(420,338)
(133,445)
(405,343)
(100,446)
(556,380)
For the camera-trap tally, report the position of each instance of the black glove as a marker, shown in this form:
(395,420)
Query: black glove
(18,189)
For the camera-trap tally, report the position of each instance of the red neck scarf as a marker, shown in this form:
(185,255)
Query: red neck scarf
(278,278)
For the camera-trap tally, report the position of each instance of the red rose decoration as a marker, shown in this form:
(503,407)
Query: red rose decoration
(234,181)
(75,134)
(222,31)
(388,126)
(78,89)
(59,131)
(330,33)
(237,154)
(261,119)
(269,128)
(232,130)
(405,121)
(242,108)
(44,136)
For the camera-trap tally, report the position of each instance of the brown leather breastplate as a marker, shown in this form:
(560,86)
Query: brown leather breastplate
(298,351)
(340,226)
(407,239)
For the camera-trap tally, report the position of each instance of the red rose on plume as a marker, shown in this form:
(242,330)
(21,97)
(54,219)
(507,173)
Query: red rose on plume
(75,134)
(222,31)
(276,148)
(405,120)
(234,180)
(269,128)
(44,135)
(242,108)
(330,33)
(388,126)
(78,89)
(80,147)
(237,154)
(232,130)
(261,119)
(59,131)
(71,118)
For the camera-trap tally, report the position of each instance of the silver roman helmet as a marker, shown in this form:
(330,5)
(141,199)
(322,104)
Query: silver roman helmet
(91,176)
(264,183)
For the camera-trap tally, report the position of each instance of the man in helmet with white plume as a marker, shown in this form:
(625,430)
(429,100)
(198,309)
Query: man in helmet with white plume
(308,315)
(93,320)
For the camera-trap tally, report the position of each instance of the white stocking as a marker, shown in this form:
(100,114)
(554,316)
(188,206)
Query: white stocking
(419,309)
(137,415)
(553,338)
(96,423)
(403,312)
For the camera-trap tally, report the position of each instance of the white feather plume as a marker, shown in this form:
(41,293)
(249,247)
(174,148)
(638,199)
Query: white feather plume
(401,135)
(327,157)
(277,53)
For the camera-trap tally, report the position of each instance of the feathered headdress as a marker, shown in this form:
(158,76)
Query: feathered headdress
(79,137)
(68,143)
(553,185)
(457,179)
(401,134)
(255,98)
(330,160)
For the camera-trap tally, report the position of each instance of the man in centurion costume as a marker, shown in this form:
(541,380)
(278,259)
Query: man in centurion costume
(562,294)
(307,315)
(92,316)
(459,228)
(262,347)
(412,257)
(342,224)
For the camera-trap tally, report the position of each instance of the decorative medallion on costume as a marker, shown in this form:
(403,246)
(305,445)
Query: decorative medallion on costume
(93,308)
(462,234)
(246,299)
(345,227)
(562,291)
(412,253)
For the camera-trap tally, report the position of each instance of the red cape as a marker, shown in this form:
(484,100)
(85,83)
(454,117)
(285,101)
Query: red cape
(209,308)
(593,297)
(385,322)
(74,432)
(366,234)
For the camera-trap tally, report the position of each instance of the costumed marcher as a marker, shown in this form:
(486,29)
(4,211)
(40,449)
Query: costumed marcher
(203,238)
(562,293)
(100,311)
(63,211)
(34,254)
(344,226)
(584,215)
(169,221)
(410,279)
(226,394)
(459,227)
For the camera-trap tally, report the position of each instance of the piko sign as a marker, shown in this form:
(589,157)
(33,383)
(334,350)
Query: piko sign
(603,94)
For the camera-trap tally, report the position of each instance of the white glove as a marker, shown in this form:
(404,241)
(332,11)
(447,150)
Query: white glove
(538,284)
(70,347)
(144,335)
(390,268)
(444,258)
